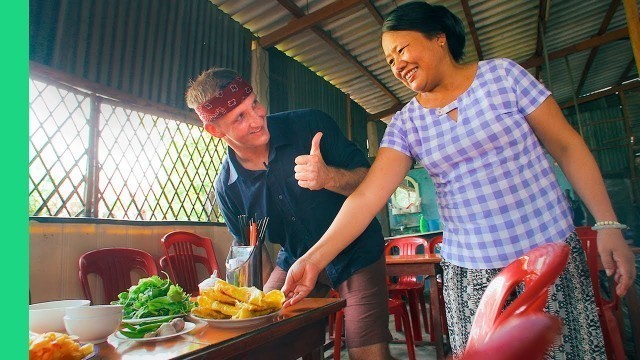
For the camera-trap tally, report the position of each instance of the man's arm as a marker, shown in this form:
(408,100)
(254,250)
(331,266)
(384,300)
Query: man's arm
(314,174)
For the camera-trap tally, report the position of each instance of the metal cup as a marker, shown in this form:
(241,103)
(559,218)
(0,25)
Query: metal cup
(244,266)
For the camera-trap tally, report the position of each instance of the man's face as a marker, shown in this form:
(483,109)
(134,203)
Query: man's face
(243,127)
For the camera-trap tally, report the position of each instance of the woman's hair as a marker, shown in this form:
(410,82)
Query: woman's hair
(208,84)
(430,20)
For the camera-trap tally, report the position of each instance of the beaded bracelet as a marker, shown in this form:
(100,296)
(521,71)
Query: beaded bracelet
(608,225)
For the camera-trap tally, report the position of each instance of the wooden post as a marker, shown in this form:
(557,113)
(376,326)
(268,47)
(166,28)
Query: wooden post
(633,22)
(349,125)
(630,142)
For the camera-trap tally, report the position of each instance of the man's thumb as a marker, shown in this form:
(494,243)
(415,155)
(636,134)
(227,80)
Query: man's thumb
(315,144)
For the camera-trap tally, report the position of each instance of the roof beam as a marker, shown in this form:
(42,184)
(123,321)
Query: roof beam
(374,12)
(600,94)
(299,13)
(583,45)
(295,26)
(626,72)
(472,28)
(594,51)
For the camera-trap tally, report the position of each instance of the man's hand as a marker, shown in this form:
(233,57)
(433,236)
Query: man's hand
(311,171)
(301,279)
(617,259)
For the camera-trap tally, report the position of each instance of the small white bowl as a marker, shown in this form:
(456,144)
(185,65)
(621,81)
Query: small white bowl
(81,312)
(47,316)
(93,329)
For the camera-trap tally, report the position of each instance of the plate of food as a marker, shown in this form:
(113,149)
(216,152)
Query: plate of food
(235,323)
(225,305)
(157,335)
(51,344)
(153,318)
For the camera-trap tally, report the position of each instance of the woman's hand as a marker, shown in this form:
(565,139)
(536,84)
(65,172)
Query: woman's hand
(301,279)
(617,259)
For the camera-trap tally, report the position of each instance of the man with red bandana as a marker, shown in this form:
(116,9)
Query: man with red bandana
(296,168)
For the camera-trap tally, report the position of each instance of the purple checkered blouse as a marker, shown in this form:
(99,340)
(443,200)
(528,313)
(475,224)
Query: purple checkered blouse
(497,194)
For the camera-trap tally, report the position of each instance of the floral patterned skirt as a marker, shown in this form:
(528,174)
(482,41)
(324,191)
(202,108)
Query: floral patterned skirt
(570,298)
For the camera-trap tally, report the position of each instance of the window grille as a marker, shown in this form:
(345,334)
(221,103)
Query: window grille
(91,156)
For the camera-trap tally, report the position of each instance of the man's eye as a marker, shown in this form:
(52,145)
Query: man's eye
(390,62)
(401,50)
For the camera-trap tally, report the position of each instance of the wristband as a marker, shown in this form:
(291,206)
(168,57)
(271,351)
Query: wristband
(608,225)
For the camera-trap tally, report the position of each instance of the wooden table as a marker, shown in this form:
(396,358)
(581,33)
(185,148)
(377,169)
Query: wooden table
(422,264)
(298,332)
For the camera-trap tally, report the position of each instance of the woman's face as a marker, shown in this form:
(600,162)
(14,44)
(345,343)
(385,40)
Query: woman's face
(414,58)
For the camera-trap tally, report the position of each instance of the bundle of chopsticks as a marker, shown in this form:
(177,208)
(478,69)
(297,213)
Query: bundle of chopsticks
(255,229)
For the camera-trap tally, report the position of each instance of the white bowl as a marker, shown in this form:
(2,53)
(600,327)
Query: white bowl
(47,316)
(93,329)
(81,312)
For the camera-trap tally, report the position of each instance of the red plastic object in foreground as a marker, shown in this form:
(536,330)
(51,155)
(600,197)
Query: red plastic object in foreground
(538,270)
(521,337)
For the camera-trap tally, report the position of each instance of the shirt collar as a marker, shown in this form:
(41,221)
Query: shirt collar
(276,139)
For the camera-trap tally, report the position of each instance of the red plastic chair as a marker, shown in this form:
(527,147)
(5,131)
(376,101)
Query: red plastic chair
(521,337)
(538,270)
(114,267)
(435,244)
(408,285)
(606,307)
(397,309)
(179,249)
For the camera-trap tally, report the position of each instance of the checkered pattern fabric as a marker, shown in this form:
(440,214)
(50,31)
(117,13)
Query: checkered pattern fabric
(497,194)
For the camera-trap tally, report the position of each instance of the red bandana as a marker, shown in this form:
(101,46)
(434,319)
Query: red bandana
(224,101)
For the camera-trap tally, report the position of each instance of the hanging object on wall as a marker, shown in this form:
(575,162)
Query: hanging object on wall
(406,198)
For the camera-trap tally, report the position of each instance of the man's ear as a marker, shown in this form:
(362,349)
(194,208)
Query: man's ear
(213,130)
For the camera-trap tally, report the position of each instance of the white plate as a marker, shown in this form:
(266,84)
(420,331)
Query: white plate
(138,321)
(234,323)
(188,326)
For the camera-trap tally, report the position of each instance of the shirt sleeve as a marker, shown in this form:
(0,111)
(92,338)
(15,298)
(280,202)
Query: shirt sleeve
(530,92)
(395,136)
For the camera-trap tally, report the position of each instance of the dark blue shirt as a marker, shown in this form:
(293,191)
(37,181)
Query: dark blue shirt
(298,217)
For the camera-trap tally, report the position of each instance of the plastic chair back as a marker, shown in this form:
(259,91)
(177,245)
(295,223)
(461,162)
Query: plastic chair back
(409,245)
(538,270)
(527,336)
(179,249)
(606,306)
(114,267)
(435,243)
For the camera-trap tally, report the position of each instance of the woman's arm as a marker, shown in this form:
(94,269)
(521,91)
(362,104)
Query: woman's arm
(386,173)
(572,154)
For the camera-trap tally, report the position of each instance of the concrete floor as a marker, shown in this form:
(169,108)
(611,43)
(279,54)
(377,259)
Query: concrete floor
(398,350)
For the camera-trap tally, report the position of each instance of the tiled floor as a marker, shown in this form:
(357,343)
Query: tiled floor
(398,350)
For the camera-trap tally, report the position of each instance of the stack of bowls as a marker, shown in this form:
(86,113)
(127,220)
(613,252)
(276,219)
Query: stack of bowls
(48,316)
(93,324)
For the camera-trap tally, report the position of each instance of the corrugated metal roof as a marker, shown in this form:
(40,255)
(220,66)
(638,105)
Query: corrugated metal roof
(505,28)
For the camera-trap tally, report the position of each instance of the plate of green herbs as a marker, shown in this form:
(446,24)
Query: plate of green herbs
(153,298)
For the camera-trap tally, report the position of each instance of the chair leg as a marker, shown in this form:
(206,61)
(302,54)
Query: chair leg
(423,308)
(401,310)
(612,336)
(413,314)
(396,318)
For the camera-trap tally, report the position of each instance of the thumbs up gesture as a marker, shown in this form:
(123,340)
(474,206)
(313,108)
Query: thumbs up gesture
(310,170)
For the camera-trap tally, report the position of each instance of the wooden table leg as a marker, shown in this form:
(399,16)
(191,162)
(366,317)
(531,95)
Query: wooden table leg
(437,320)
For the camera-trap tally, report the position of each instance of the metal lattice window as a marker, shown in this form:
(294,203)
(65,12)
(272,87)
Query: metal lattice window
(92,156)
